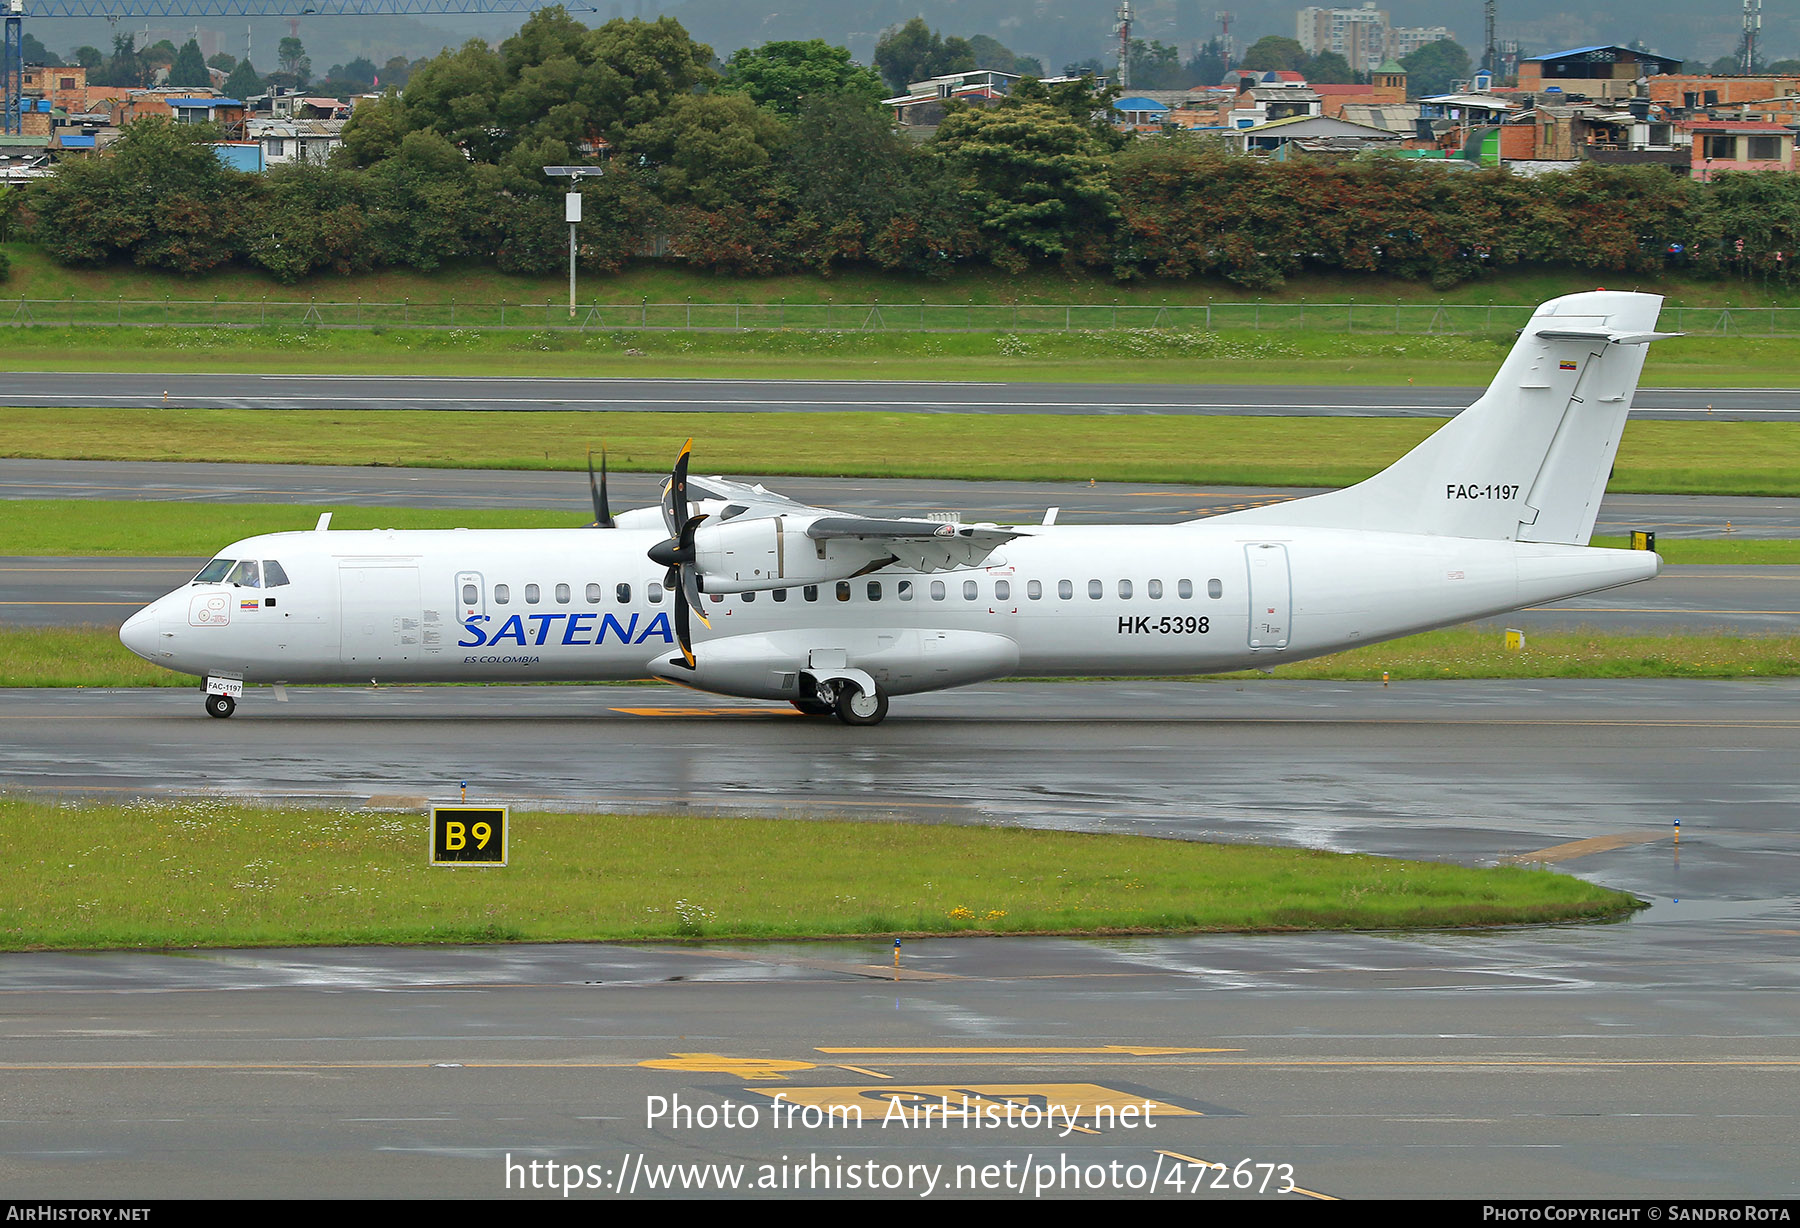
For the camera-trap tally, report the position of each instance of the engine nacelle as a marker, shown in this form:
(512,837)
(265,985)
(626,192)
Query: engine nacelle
(776,664)
(771,552)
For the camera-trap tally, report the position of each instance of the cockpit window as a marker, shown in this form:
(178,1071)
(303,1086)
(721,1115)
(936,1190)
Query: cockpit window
(273,575)
(246,575)
(214,571)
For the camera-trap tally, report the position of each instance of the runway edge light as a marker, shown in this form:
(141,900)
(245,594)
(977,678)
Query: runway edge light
(469,835)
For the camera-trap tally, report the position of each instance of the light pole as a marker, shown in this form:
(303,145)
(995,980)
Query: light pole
(572,211)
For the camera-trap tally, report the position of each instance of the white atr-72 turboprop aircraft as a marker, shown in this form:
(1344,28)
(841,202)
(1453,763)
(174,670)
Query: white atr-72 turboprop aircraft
(837,613)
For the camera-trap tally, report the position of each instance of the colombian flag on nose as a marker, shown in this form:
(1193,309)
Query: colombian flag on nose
(1568,364)
(248,603)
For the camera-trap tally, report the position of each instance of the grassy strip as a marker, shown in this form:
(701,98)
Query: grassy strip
(98,528)
(1703,457)
(216,873)
(93,657)
(1227,356)
(90,527)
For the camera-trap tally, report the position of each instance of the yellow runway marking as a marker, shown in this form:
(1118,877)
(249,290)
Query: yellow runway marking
(985,1104)
(873,1074)
(1593,844)
(1640,609)
(718,1063)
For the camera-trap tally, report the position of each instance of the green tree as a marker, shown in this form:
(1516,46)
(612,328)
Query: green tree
(783,75)
(1435,68)
(160,198)
(126,67)
(1209,64)
(244,82)
(1272,53)
(990,52)
(189,69)
(1155,66)
(290,53)
(222,60)
(710,149)
(916,52)
(1328,68)
(35,52)
(1035,182)
(89,57)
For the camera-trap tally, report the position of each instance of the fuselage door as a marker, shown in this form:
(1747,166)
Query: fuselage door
(1271,594)
(471,596)
(378,611)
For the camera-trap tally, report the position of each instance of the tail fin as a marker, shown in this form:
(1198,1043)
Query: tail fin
(1530,459)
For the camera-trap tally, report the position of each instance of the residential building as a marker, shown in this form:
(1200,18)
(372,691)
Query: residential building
(1593,72)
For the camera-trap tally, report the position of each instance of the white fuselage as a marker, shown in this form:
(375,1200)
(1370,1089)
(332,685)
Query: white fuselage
(588,605)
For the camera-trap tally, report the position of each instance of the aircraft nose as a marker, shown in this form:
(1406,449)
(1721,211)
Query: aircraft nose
(140,631)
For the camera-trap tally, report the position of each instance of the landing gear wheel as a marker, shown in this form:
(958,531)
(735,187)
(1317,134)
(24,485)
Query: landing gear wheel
(856,706)
(811,707)
(220,706)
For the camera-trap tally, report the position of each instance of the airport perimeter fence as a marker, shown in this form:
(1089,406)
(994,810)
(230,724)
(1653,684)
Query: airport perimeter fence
(1347,317)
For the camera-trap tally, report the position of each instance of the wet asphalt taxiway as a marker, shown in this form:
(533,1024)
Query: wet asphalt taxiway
(1654,1058)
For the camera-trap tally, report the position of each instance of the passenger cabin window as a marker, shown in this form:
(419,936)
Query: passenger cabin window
(1002,590)
(1153,590)
(1034,589)
(903,590)
(470,594)
(593,594)
(971,590)
(246,575)
(874,590)
(937,590)
(810,592)
(562,594)
(1184,589)
(843,590)
(653,588)
(779,594)
(749,596)
(1214,589)
(273,575)
(1065,589)
(1096,589)
(502,594)
(1125,589)
(622,593)
(531,594)
(214,571)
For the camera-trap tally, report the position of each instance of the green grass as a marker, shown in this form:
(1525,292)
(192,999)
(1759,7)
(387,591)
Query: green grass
(91,527)
(93,657)
(100,528)
(1705,457)
(217,873)
(1226,356)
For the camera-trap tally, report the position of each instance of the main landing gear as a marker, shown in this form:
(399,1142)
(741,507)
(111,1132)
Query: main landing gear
(847,701)
(220,706)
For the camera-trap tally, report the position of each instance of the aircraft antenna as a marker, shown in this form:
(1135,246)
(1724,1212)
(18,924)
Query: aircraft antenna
(1124,32)
(1746,55)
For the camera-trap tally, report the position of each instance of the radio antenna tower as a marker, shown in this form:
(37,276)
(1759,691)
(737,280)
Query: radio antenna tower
(1490,57)
(1746,55)
(1225,17)
(1124,32)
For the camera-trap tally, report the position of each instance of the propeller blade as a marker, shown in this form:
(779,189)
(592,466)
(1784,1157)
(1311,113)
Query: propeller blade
(683,632)
(602,512)
(690,591)
(674,499)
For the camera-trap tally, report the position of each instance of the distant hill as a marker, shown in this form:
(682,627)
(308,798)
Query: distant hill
(1058,32)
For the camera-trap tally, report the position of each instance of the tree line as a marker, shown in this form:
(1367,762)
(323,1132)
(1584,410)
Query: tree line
(784,160)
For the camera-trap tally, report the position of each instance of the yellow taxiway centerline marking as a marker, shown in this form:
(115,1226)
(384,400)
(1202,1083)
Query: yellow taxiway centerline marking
(1593,844)
(1100,1050)
(873,1074)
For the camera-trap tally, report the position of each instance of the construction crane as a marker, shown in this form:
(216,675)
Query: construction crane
(12,66)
